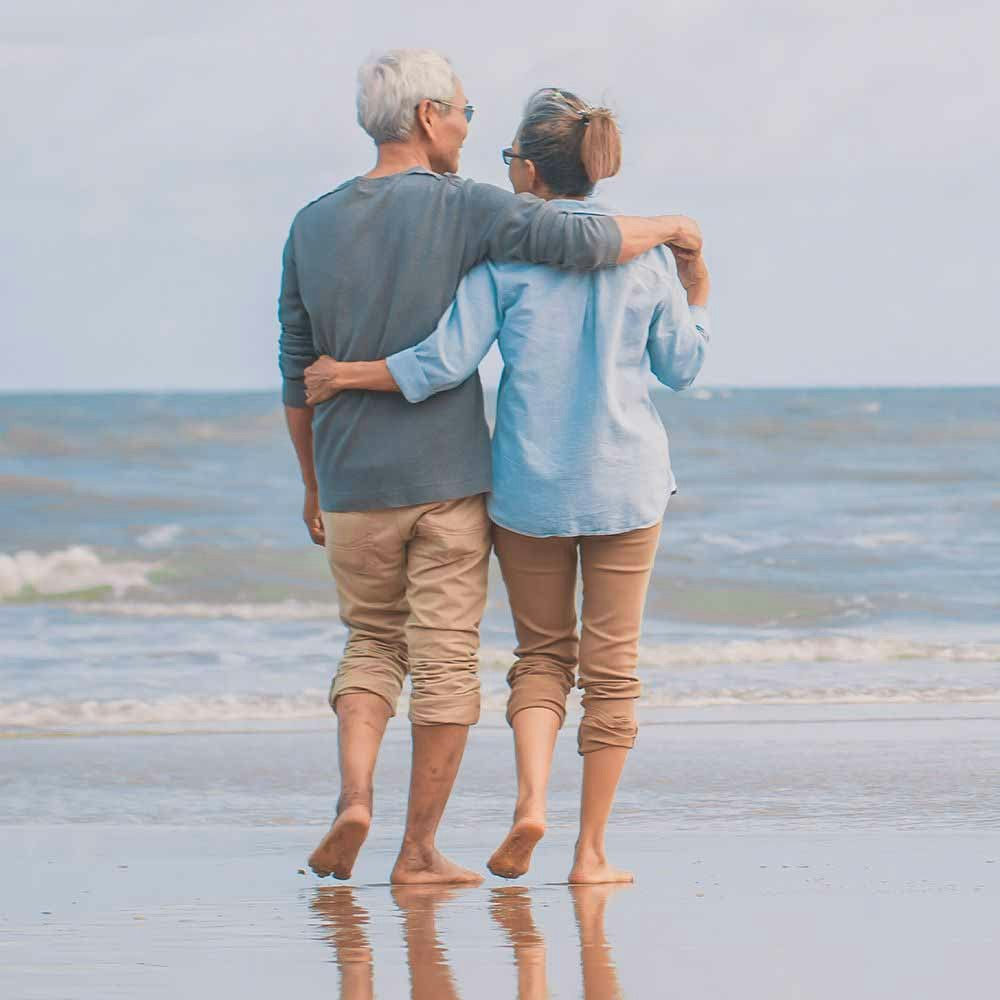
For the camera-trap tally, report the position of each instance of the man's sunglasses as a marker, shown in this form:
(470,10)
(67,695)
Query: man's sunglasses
(508,154)
(467,109)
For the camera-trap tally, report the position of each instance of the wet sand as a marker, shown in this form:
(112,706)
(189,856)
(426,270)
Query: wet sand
(117,911)
(821,859)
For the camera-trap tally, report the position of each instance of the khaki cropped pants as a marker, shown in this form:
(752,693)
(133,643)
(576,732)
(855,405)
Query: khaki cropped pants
(541,574)
(411,582)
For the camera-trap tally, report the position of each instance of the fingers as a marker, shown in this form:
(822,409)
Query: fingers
(316,531)
(318,393)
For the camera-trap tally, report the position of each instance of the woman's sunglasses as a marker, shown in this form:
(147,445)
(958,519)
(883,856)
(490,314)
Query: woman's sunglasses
(508,154)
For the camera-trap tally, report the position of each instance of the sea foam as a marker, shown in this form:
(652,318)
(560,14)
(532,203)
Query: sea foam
(816,649)
(186,710)
(74,570)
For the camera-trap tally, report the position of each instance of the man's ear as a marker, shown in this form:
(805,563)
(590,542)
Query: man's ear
(423,118)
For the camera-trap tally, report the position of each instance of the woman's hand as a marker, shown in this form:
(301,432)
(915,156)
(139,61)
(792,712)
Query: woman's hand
(323,380)
(693,272)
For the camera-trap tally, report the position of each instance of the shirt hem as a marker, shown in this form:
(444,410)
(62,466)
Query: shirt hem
(432,493)
(579,534)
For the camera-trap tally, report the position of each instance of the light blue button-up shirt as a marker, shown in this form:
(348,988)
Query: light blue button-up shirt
(578,447)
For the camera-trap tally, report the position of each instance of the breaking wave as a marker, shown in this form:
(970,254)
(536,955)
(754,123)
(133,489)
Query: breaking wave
(65,572)
(94,714)
(816,649)
(277,611)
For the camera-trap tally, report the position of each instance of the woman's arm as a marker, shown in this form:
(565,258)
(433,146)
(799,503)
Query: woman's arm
(679,331)
(442,361)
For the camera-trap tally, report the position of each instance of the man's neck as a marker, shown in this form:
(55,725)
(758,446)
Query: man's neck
(398,157)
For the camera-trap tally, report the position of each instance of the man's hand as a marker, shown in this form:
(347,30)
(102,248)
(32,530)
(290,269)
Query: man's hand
(323,380)
(686,233)
(312,516)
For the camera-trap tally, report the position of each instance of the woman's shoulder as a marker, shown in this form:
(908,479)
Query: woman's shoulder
(655,270)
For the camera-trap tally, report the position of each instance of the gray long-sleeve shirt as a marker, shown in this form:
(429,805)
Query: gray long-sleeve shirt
(368,270)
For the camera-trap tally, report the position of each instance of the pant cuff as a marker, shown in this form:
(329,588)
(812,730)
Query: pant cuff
(596,734)
(359,687)
(450,712)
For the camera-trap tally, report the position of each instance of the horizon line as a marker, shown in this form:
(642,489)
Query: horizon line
(720,386)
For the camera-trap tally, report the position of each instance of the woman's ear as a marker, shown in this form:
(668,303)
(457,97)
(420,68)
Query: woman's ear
(531,175)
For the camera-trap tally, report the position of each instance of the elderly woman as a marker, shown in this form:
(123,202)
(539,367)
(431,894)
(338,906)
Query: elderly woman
(581,467)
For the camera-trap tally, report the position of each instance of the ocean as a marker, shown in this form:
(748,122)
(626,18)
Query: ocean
(827,548)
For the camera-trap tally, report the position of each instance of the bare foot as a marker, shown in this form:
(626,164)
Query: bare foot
(593,869)
(513,857)
(418,865)
(338,850)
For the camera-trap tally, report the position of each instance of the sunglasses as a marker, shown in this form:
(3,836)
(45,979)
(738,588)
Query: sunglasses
(508,154)
(467,109)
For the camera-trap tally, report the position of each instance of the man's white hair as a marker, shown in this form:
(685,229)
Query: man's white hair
(391,85)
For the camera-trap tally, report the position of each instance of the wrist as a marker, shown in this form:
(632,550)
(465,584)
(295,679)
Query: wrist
(697,294)
(354,375)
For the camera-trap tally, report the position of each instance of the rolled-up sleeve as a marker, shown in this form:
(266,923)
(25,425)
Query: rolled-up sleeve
(678,338)
(296,350)
(464,334)
(524,228)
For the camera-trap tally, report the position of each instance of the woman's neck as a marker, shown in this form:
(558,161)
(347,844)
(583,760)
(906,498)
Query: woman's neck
(547,194)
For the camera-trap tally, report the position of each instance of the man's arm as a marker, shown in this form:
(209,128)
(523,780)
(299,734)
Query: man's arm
(523,228)
(299,420)
(296,350)
(445,359)
(295,353)
(640,235)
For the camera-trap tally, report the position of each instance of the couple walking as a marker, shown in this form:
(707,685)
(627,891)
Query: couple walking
(394,287)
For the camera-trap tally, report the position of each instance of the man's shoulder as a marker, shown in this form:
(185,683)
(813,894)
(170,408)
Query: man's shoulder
(324,201)
(408,180)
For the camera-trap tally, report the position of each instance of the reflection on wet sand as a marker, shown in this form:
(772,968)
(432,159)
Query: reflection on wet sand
(511,909)
(430,974)
(600,977)
(345,924)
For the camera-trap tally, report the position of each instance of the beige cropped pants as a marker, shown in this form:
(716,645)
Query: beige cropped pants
(541,575)
(411,582)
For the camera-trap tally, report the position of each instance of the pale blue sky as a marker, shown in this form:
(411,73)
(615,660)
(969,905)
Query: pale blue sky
(841,158)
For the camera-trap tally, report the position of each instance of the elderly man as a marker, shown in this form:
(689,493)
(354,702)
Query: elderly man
(395,492)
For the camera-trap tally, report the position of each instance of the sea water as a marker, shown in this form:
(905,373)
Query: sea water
(827,548)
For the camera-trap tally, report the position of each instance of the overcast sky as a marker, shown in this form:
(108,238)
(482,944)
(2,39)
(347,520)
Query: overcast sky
(841,157)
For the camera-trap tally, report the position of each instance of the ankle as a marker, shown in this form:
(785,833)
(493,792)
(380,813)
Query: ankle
(418,844)
(590,851)
(530,807)
(355,799)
